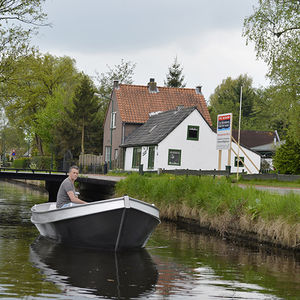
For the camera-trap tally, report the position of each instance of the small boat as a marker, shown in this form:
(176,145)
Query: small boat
(112,224)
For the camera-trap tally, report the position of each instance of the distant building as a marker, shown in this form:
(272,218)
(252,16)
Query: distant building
(262,142)
(130,107)
(181,139)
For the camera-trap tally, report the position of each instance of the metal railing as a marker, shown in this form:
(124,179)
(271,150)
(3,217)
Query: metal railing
(33,171)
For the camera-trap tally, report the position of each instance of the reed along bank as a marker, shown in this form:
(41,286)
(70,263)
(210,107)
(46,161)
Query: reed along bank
(220,206)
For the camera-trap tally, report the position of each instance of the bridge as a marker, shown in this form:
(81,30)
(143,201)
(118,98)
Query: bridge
(92,187)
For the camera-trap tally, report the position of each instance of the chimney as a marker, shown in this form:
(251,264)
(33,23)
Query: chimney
(199,89)
(152,86)
(116,84)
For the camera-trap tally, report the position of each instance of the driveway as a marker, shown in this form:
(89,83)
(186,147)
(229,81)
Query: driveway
(273,189)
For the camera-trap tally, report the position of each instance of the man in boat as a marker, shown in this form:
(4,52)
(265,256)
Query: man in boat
(66,195)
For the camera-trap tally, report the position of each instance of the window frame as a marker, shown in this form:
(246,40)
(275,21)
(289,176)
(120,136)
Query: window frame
(113,120)
(169,155)
(192,138)
(240,164)
(136,157)
(107,153)
(116,155)
(151,157)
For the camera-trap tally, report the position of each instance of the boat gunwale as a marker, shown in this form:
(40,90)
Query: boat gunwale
(78,208)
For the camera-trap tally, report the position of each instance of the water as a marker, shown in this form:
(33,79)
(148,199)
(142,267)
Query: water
(176,264)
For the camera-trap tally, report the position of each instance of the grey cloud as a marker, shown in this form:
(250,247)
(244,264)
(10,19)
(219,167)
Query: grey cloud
(126,25)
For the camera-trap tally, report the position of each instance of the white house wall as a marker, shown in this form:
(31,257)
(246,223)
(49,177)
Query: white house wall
(195,155)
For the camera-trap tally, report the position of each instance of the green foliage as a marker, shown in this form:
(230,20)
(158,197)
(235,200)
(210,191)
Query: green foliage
(175,77)
(42,163)
(12,138)
(287,157)
(14,38)
(21,163)
(226,99)
(30,85)
(274,28)
(214,196)
(81,128)
(48,119)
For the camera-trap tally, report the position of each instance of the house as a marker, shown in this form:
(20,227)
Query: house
(130,107)
(181,139)
(263,142)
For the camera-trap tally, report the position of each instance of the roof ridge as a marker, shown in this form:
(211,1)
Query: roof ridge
(161,87)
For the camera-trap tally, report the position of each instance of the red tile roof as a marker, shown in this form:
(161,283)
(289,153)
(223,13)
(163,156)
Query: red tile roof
(135,102)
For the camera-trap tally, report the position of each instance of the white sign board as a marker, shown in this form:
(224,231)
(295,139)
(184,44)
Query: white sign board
(224,127)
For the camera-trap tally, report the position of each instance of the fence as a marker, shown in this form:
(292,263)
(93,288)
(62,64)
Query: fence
(90,163)
(270,176)
(190,172)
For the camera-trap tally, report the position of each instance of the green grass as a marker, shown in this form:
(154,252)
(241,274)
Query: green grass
(214,196)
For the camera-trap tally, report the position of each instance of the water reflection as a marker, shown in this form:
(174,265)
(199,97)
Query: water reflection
(122,275)
(179,264)
(198,264)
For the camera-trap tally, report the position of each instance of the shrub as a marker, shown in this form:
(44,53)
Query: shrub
(21,163)
(43,162)
(287,157)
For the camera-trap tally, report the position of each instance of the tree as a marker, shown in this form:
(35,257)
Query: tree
(81,130)
(122,72)
(226,99)
(28,85)
(287,157)
(14,38)
(52,116)
(85,106)
(274,27)
(175,77)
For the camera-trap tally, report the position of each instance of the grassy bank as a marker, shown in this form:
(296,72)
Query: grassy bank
(218,205)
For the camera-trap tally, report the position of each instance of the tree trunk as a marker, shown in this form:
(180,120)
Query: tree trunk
(39,145)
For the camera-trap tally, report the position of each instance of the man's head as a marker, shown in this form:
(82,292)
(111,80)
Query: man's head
(73,172)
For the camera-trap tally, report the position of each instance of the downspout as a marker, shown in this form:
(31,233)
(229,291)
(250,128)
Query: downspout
(111,129)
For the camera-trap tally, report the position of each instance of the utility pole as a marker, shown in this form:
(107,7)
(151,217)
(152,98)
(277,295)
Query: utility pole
(239,134)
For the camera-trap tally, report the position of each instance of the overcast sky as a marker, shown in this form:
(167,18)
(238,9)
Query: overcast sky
(205,35)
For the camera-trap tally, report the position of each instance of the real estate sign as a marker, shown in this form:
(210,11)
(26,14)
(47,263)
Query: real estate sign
(224,128)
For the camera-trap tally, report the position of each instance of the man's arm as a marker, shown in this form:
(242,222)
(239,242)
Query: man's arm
(75,199)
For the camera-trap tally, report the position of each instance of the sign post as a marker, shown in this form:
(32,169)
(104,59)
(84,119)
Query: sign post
(224,131)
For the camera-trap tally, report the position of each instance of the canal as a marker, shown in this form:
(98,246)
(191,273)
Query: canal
(176,264)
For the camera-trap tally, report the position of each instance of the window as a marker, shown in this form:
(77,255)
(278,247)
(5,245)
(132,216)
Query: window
(151,157)
(174,157)
(107,153)
(113,120)
(136,157)
(193,133)
(240,163)
(116,153)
